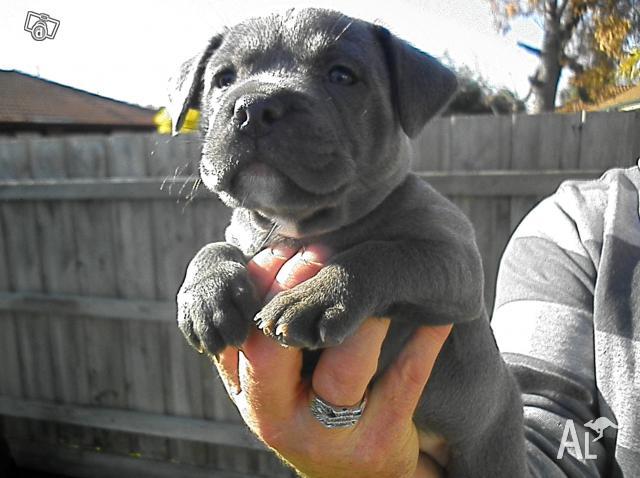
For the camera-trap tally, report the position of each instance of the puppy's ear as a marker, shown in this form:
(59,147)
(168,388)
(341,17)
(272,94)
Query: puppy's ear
(185,88)
(420,85)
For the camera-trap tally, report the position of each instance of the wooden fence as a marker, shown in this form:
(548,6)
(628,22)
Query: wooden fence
(95,233)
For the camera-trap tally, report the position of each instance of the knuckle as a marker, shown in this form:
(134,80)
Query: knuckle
(411,373)
(337,385)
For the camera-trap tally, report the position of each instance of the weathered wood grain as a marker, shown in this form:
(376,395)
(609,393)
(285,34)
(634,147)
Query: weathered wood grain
(122,420)
(23,255)
(57,246)
(134,262)
(95,255)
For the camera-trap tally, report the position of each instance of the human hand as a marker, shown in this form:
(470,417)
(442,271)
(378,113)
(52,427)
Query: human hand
(265,382)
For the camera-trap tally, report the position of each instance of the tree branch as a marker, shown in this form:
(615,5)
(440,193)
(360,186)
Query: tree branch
(562,8)
(566,29)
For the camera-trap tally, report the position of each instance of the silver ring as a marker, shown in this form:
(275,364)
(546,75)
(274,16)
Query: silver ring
(332,416)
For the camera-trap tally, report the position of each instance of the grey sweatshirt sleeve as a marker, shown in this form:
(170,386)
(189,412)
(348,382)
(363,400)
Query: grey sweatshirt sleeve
(543,323)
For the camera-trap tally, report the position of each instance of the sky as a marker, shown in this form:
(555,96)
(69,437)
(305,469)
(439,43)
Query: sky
(127,49)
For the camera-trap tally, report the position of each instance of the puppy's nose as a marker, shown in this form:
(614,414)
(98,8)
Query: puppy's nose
(256,115)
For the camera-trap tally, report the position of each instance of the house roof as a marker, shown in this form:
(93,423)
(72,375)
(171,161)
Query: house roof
(28,99)
(621,98)
(624,101)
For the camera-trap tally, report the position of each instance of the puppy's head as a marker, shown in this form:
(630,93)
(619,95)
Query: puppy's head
(304,115)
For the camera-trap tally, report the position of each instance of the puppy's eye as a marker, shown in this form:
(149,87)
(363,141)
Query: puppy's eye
(224,78)
(341,75)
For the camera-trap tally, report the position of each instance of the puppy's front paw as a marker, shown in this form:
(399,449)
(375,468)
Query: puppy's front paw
(216,310)
(317,313)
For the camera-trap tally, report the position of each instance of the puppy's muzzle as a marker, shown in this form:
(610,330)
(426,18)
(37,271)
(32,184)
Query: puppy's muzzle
(256,115)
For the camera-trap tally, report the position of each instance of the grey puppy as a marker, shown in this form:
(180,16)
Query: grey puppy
(306,120)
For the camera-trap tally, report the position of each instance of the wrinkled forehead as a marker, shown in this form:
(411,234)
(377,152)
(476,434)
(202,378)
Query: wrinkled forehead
(298,37)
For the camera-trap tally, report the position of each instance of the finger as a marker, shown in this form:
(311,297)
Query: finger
(343,372)
(304,265)
(402,384)
(270,377)
(227,364)
(264,266)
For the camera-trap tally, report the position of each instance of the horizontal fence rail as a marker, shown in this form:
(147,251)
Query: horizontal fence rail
(451,183)
(85,306)
(182,428)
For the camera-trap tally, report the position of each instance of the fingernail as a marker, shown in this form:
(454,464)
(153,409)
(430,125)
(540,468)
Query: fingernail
(311,257)
(281,251)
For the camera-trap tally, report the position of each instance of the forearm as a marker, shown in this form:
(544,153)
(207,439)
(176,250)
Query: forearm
(543,323)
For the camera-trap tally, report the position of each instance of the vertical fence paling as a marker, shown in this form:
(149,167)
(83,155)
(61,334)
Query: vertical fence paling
(11,373)
(138,249)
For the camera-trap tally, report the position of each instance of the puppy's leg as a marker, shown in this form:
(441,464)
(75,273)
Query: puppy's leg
(426,282)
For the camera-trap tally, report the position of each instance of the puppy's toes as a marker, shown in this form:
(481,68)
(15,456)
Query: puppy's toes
(267,319)
(210,338)
(186,327)
(231,328)
(186,317)
(316,328)
(298,326)
(244,297)
(335,325)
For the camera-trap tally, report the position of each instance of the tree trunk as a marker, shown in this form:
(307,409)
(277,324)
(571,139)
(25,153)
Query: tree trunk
(544,84)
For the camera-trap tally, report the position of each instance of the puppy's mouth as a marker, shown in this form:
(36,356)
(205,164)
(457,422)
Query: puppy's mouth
(274,195)
(319,221)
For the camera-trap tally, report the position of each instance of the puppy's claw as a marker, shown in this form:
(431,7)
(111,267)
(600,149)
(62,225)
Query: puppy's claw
(322,332)
(281,330)
(264,324)
(281,340)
